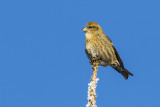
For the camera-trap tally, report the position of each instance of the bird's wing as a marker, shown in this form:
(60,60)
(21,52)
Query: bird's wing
(118,57)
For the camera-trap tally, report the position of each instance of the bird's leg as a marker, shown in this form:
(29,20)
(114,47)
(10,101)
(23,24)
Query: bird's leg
(94,60)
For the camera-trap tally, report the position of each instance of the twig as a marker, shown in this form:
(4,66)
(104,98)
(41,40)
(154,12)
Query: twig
(92,86)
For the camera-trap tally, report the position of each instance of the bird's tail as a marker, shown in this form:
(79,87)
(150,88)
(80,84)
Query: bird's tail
(123,71)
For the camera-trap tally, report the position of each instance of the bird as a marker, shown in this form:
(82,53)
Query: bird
(99,47)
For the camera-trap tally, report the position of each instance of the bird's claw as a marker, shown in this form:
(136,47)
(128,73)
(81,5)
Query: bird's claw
(94,60)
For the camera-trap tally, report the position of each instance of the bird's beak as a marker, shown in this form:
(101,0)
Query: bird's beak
(84,29)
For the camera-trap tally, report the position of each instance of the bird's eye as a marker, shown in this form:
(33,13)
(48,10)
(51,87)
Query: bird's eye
(90,27)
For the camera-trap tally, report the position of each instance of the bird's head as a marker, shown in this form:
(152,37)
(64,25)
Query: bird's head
(93,28)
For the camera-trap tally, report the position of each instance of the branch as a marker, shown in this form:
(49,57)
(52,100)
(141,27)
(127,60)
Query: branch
(92,86)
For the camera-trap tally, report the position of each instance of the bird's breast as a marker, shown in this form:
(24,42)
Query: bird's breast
(91,46)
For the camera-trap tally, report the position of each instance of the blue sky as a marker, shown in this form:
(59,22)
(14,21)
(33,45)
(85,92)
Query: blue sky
(42,58)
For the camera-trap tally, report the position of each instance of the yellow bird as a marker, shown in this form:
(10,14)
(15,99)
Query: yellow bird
(99,47)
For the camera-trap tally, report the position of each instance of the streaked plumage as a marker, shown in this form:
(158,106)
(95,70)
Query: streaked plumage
(99,46)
